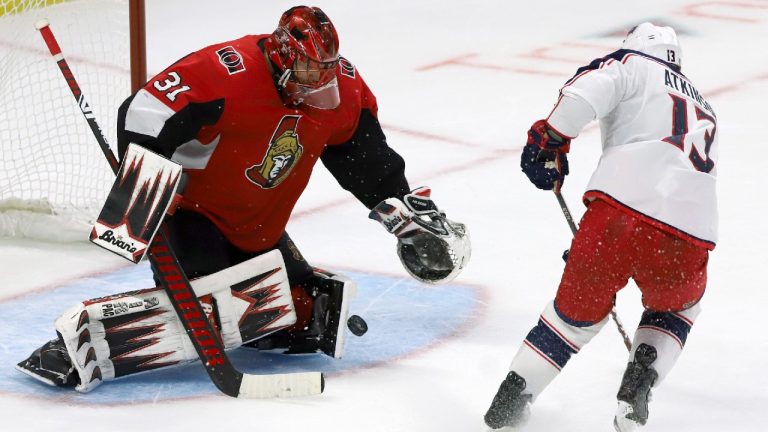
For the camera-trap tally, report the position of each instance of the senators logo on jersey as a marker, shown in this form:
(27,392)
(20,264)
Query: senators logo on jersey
(231,59)
(283,154)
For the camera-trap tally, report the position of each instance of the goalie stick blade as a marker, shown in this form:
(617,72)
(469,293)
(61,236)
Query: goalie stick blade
(281,385)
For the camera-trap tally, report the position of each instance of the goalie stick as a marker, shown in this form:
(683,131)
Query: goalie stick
(172,278)
(572,224)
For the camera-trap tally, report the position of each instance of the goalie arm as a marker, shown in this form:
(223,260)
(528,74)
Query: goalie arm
(365,165)
(170,130)
(432,248)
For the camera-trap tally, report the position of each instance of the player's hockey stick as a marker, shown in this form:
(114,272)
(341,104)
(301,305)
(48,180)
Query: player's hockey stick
(208,346)
(572,224)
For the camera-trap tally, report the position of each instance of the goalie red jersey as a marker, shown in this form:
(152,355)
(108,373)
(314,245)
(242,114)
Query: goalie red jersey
(248,157)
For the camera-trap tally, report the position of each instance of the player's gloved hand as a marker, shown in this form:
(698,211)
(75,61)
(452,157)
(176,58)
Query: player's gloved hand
(544,158)
(432,248)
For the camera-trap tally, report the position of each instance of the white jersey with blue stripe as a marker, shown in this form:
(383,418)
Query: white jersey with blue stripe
(659,140)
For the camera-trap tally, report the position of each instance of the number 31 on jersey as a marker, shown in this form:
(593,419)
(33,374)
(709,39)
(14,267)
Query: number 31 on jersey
(171,86)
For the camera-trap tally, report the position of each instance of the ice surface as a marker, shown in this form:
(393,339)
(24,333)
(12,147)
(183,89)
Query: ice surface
(458,84)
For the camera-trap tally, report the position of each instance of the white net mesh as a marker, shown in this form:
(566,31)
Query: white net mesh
(49,161)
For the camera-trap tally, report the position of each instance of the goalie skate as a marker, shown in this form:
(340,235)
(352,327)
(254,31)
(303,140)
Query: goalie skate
(50,364)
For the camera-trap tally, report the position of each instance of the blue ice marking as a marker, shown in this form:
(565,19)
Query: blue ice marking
(403,317)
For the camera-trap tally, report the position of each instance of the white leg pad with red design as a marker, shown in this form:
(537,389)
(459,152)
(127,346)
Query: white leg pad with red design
(137,331)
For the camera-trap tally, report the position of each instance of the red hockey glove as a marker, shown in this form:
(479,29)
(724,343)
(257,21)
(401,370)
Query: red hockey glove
(544,158)
(544,136)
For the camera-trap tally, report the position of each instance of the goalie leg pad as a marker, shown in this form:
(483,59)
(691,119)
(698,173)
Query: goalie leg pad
(137,331)
(331,295)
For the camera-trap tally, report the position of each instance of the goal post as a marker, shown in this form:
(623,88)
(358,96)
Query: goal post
(138,32)
(53,178)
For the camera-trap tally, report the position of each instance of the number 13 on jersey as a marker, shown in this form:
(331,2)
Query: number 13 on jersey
(681,126)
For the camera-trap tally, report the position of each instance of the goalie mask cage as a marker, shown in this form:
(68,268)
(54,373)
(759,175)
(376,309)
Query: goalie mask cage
(53,177)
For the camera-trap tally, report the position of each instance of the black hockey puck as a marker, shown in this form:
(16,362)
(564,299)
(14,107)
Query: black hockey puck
(357,325)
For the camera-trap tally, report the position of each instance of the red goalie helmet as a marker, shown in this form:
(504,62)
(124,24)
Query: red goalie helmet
(305,49)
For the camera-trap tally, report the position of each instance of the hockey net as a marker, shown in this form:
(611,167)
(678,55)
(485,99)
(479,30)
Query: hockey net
(53,177)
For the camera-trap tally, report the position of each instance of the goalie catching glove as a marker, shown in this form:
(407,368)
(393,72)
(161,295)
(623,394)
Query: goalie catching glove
(432,248)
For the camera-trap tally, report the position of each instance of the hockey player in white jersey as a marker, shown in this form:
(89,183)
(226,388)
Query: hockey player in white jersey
(651,216)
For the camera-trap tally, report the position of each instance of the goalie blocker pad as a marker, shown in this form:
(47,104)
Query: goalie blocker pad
(137,331)
(137,203)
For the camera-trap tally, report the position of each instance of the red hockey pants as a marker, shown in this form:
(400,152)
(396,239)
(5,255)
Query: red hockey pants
(612,246)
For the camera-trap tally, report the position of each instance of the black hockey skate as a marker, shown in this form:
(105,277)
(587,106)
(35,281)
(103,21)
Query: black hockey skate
(51,364)
(325,332)
(510,406)
(635,391)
